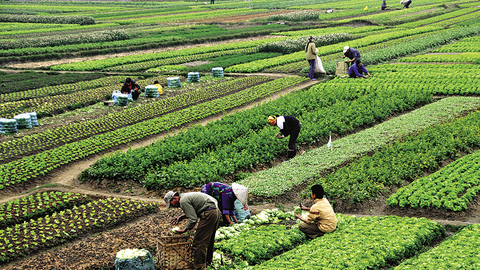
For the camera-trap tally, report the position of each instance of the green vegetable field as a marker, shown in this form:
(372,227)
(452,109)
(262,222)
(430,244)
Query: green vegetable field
(83,175)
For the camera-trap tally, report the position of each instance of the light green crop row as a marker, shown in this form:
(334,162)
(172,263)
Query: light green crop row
(101,64)
(303,168)
(256,66)
(461,57)
(456,252)
(361,243)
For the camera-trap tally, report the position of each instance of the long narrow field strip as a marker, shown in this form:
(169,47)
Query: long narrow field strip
(50,104)
(456,252)
(25,238)
(104,63)
(27,168)
(465,45)
(451,188)
(460,57)
(396,16)
(301,169)
(58,90)
(191,16)
(368,40)
(437,19)
(179,60)
(361,243)
(39,204)
(297,66)
(69,133)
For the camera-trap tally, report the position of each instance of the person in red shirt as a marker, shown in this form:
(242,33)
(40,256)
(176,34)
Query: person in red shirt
(130,86)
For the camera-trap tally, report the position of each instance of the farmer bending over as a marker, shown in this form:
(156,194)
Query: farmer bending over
(357,70)
(197,205)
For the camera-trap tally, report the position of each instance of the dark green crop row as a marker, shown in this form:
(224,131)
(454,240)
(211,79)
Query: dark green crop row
(178,60)
(82,20)
(451,188)
(51,138)
(40,204)
(28,168)
(23,81)
(58,89)
(23,239)
(45,106)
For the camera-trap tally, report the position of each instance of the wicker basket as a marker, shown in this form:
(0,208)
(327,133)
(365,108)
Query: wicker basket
(175,252)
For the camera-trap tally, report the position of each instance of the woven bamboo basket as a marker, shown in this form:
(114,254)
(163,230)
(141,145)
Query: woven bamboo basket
(175,252)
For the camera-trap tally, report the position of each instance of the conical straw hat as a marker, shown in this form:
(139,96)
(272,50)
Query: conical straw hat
(241,192)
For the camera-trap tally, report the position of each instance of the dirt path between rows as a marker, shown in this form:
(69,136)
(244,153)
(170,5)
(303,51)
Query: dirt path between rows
(44,64)
(66,178)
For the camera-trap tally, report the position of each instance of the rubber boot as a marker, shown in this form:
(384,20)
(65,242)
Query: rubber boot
(291,154)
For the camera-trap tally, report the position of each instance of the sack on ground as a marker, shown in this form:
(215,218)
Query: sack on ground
(319,66)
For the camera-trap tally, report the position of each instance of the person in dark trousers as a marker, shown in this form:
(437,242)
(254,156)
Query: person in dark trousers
(130,86)
(212,2)
(406,3)
(384,4)
(288,125)
(321,218)
(311,54)
(352,54)
(197,205)
(357,70)
(225,197)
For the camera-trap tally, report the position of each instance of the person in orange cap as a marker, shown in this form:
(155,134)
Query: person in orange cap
(288,125)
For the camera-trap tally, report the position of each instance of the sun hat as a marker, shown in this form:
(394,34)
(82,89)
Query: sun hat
(272,120)
(241,192)
(345,49)
(169,197)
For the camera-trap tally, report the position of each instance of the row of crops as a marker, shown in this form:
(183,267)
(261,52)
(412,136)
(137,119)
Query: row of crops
(362,243)
(30,167)
(42,220)
(391,130)
(264,242)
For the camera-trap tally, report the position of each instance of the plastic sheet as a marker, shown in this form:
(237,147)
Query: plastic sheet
(217,72)
(173,82)
(23,121)
(8,126)
(121,100)
(33,118)
(136,263)
(193,77)
(151,91)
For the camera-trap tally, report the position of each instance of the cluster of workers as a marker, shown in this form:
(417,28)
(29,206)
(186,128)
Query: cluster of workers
(131,87)
(216,199)
(218,202)
(356,69)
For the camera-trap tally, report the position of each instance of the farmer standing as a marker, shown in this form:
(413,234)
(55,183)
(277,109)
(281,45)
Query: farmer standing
(288,125)
(351,53)
(321,219)
(311,54)
(197,205)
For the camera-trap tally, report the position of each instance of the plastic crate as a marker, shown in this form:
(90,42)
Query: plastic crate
(175,252)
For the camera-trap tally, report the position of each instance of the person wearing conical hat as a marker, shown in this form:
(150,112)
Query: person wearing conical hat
(289,125)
